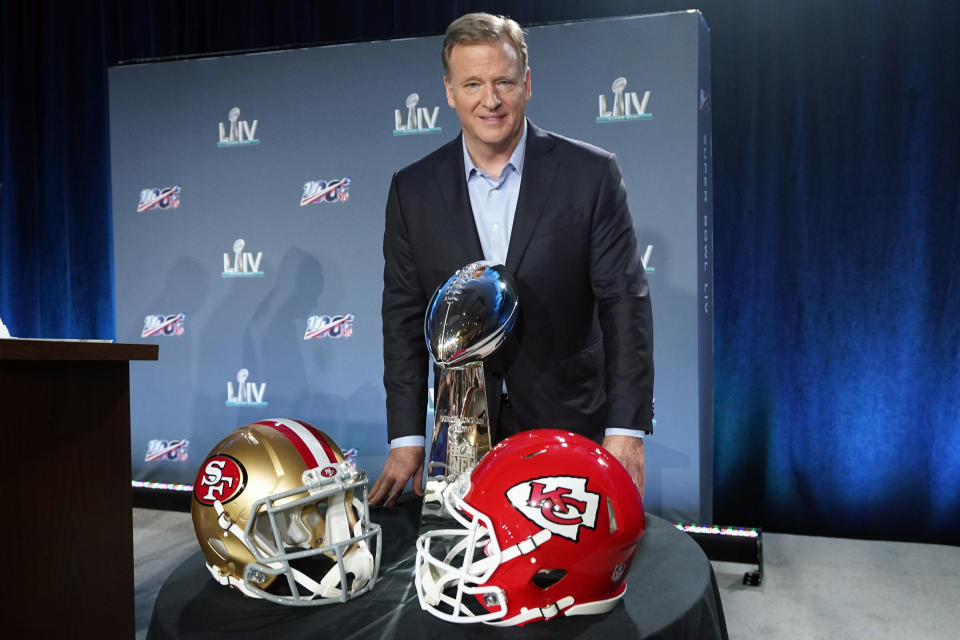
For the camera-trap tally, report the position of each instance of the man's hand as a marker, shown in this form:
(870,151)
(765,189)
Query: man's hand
(402,464)
(629,452)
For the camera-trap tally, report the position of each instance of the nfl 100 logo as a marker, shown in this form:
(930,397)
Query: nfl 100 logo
(319,191)
(340,326)
(350,457)
(169,450)
(157,325)
(161,199)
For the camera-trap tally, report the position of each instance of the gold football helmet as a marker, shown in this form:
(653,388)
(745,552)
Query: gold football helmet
(277,499)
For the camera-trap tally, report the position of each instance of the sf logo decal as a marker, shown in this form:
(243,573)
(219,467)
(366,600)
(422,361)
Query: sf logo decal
(221,477)
(560,504)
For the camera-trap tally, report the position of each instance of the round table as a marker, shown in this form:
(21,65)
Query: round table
(671,593)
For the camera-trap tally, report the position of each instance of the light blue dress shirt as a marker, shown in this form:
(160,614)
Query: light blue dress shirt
(494,202)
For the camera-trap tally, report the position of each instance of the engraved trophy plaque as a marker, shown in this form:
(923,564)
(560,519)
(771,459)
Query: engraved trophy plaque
(467,319)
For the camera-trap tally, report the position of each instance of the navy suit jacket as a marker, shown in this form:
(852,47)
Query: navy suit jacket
(581,354)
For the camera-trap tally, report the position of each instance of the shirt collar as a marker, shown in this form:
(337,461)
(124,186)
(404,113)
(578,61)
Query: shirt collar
(516,158)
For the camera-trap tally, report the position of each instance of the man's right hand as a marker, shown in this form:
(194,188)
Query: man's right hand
(402,464)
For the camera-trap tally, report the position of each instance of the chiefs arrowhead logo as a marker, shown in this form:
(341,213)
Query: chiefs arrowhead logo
(560,504)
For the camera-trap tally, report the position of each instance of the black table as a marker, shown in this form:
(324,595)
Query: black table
(671,593)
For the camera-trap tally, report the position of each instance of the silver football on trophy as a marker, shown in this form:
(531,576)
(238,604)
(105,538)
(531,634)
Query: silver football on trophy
(471,314)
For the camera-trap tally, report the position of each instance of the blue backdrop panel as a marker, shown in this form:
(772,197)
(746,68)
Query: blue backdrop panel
(248,197)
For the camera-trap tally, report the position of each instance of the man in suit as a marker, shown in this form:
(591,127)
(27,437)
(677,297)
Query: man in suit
(554,211)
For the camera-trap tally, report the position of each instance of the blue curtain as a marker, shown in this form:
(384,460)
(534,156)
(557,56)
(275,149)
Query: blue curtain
(837,217)
(56,277)
(838,292)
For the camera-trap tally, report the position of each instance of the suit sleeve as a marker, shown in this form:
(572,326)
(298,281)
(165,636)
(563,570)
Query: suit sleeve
(404,303)
(623,302)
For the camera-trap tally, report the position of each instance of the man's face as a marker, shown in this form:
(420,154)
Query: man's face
(489,89)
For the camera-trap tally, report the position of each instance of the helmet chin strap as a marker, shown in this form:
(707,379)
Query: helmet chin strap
(359,562)
(529,615)
(563,606)
(229,581)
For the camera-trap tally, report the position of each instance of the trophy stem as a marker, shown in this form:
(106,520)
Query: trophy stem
(461,436)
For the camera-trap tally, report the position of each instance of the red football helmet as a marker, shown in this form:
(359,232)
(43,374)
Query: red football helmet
(551,523)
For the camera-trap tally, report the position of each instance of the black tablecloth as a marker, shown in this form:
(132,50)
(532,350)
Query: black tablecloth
(671,593)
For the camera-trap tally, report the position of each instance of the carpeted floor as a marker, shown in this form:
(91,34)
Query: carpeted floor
(161,541)
(813,587)
(836,588)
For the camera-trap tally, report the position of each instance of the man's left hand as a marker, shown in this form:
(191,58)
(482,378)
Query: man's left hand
(629,452)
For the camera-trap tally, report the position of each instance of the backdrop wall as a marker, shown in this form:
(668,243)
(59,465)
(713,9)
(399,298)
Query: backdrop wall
(248,236)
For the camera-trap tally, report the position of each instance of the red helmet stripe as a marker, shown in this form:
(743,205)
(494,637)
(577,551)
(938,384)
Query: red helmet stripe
(311,447)
(322,438)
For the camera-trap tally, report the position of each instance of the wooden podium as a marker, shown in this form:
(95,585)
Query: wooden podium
(67,566)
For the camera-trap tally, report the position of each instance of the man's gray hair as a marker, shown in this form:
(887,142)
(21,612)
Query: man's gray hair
(483,27)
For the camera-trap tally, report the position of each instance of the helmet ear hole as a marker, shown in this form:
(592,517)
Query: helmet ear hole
(612,516)
(218,547)
(546,578)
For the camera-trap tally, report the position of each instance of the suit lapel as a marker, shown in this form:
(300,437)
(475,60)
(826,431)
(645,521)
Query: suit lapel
(457,215)
(539,174)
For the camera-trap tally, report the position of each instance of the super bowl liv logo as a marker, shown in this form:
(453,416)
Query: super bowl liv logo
(246,393)
(242,264)
(418,119)
(627,105)
(236,132)
(159,199)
